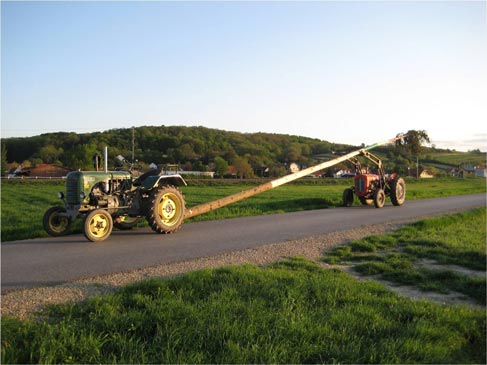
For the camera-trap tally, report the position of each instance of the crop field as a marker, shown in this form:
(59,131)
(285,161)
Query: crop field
(294,311)
(23,203)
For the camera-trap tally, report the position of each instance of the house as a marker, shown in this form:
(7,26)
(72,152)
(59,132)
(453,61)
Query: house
(293,167)
(426,174)
(466,171)
(46,170)
(344,173)
(481,172)
(422,173)
(472,171)
(262,171)
(231,172)
(40,170)
(315,175)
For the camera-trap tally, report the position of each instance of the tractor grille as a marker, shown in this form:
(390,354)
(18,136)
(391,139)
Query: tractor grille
(360,185)
(72,193)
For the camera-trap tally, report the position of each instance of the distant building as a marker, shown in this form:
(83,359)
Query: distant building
(315,175)
(344,173)
(42,170)
(293,167)
(466,171)
(262,171)
(422,173)
(471,171)
(481,172)
(231,172)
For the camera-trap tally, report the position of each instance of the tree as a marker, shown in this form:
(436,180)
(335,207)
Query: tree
(413,140)
(244,170)
(3,161)
(80,156)
(221,166)
(199,166)
(50,154)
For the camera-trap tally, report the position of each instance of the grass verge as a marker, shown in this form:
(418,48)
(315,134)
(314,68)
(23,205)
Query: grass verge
(289,312)
(457,239)
(23,203)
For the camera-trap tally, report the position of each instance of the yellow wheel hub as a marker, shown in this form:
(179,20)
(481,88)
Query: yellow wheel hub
(99,225)
(169,209)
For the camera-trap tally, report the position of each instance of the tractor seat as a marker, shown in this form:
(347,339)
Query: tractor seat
(145,175)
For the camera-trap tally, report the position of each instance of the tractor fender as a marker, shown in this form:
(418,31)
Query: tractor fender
(159,180)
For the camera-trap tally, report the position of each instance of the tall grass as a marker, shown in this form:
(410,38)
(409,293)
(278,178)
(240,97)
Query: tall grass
(289,312)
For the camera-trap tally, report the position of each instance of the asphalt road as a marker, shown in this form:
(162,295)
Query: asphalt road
(50,261)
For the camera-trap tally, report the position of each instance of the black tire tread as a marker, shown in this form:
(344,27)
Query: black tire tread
(151,217)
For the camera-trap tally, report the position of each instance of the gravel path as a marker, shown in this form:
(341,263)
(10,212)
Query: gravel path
(26,302)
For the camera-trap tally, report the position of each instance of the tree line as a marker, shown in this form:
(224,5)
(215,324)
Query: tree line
(192,148)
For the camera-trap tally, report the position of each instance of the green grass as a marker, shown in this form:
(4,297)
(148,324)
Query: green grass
(458,158)
(23,203)
(289,312)
(457,239)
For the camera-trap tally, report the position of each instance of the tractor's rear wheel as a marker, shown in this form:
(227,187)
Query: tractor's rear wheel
(398,191)
(56,224)
(166,209)
(347,197)
(98,225)
(125,222)
(379,198)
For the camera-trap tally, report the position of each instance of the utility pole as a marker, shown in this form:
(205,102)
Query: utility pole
(133,144)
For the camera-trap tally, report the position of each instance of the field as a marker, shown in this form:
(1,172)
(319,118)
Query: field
(24,202)
(293,311)
(457,158)
(425,255)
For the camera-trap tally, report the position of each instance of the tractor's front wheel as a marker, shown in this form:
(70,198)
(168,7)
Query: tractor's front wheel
(98,225)
(166,209)
(55,222)
(379,198)
(365,201)
(347,197)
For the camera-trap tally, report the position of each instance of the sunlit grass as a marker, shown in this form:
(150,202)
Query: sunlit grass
(457,239)
(24,203)
(289,312)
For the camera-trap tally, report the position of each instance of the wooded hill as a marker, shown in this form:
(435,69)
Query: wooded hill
(202,149)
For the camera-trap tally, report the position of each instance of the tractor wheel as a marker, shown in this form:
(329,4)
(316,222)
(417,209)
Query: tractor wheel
(125,222)
(379,198)
(365,201)
(98,225)
(398,191)
(54,224)
(166,210)
(348,197)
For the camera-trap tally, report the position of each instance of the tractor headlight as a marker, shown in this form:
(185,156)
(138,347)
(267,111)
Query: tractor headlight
(82,195)
(60,195)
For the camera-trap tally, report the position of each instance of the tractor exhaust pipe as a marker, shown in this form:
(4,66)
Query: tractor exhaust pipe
(105,159)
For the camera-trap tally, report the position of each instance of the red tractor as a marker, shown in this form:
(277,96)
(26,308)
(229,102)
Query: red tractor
(374,188)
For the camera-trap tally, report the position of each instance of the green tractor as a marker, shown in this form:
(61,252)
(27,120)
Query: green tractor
(107,199)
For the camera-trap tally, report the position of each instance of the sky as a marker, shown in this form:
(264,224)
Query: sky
(346,72)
